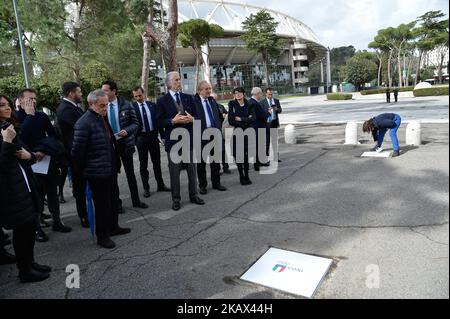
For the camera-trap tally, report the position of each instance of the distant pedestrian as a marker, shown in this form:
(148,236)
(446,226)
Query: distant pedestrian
(388,95)
(396,94)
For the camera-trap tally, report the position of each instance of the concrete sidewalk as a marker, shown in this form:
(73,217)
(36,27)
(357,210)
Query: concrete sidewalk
(324,200)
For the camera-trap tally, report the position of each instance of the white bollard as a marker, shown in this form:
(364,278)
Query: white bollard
(414,134)
(289,134)
(351,133)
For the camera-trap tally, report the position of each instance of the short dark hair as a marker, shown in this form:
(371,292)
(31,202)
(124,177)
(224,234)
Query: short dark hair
(239,89)
(138,87)
(22,92)
(8,100)
(112,85)
(268,89)
(68,87)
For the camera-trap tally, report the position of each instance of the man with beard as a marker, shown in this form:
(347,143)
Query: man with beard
(68,113)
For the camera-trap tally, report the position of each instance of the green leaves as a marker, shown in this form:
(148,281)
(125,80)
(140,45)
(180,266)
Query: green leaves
(361,69)
(197,32)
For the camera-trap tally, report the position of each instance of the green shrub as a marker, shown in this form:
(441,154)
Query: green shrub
(434,91)
(383,90)
(339,96)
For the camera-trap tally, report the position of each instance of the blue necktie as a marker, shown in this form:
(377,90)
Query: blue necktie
(112,118)
(144,115)
(210,114)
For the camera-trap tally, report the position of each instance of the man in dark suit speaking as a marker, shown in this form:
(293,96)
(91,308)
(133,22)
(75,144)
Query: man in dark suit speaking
(177,110)
(147,141)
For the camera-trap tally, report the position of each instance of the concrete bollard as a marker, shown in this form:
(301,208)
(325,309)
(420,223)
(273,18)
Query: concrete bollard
(414,134)
(351,133)
(289,134)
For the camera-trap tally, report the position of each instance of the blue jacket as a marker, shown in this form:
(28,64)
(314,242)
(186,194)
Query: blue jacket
(127,121)
(246,113)
(166,110)
(34,128)
(152,107)
(383,122)
(261,114)
(94,148)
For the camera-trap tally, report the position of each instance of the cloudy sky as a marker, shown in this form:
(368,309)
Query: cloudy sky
(352,22)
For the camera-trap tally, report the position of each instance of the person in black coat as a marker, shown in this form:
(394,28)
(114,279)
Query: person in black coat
(261,124)
(125,125)
(36,129)
(94,151)
(223,115)
(396,94)
(147,141)
(209,115)
(241,114)
(68,113)
(388,95)
(19,196)
(177,110)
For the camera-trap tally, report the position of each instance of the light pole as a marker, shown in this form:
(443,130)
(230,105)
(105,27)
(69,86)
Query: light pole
(22,48)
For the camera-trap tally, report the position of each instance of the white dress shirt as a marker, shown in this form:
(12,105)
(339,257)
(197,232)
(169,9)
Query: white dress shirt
(149,116)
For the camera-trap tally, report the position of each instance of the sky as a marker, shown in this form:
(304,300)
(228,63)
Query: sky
(352,22)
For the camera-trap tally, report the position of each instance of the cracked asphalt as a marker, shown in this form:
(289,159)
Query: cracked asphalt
(324,200)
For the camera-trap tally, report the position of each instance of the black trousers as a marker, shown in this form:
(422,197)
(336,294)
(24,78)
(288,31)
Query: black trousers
(79,191)
(127,161)
(388,98)
(215,172)
(174,170)
(149,144)
(104,196)
(49,186)
(24,237)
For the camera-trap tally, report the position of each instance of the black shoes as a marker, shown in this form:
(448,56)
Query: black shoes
(60,227)
(203,190)
(41,236)
(106,243)
(119,231)
(245,181)
(396,154)
(41,268)
(84,223)
(32,276)
(176,205)
(220,188)
(256,167)
(164,189)
(140,205)
(146,193)
(226,171)
(62,200)
(6,258)
(197,200)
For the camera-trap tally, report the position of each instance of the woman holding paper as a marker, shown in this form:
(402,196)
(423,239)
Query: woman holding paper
(19,199)
(379,125)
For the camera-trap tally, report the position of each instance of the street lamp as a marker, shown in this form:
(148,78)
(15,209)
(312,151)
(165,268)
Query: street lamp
(22,48)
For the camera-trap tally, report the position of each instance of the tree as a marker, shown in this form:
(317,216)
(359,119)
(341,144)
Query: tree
(339,57)
(166,39)
(361,69)
(430,33)
(196,33)
(260,37)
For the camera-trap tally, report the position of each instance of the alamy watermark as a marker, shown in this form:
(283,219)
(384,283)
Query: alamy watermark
(239,145)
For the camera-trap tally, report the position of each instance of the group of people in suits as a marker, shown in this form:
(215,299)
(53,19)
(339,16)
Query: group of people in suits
(98,142)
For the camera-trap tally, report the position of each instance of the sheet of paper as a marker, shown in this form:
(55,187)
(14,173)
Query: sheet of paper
(41,167)
(376,154)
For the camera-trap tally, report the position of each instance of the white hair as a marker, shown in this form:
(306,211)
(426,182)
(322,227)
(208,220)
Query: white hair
(169,78)
(256,91)
(94,95)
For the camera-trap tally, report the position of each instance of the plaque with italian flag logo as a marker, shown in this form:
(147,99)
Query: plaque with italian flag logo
(289,271)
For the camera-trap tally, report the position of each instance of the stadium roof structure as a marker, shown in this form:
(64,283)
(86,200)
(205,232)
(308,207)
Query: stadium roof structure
(230,15)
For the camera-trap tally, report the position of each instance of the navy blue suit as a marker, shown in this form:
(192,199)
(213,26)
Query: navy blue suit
(148,142)
(261,122)
(166,110)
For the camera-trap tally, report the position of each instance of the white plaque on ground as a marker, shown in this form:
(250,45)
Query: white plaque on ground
(376,154)
(288,271)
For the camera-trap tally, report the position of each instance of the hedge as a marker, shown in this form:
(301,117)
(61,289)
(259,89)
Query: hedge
(383,90)
(434,91)
(339,96)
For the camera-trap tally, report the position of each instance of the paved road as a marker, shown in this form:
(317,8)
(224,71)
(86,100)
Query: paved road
(313,109)
(324,200)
